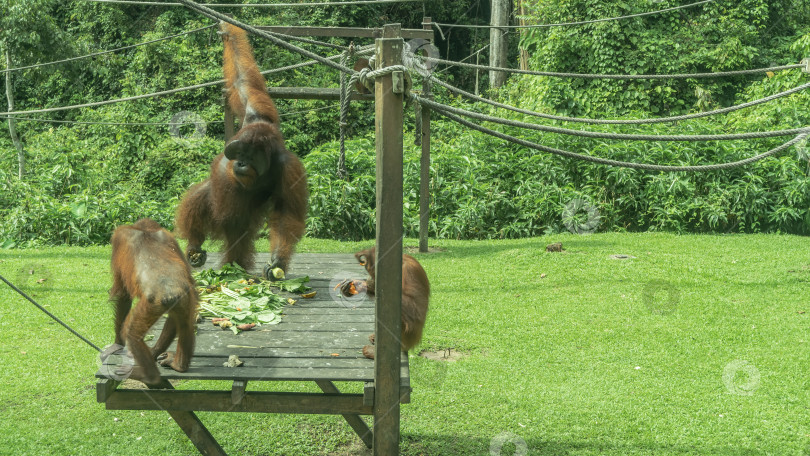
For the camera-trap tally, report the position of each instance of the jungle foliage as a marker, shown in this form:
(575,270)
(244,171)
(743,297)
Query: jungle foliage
(82,180)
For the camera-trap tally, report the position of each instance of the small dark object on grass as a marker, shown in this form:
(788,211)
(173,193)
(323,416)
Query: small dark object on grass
(555,247)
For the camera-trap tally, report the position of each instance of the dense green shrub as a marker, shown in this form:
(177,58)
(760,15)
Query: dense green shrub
(83,180)
(484,188)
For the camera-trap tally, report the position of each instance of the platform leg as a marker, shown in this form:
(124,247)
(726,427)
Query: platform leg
(198,434)
(360,427)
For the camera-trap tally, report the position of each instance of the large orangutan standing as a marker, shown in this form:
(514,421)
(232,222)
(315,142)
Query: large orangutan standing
(255,180)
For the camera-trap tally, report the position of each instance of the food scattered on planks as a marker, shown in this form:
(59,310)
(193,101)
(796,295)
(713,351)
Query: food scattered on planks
(234,299)
(311,294)
(233,361)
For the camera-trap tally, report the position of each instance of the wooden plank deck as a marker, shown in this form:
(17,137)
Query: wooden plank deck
(318,339)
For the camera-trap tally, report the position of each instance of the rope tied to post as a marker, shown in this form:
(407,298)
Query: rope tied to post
(345,98)
(366,76)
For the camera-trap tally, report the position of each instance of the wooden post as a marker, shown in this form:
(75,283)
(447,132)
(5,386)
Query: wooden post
(498,42)
(424,164)
(388,122)
(198,434)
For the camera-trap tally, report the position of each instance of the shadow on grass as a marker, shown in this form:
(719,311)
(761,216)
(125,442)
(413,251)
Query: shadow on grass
(468,445)
(571,244)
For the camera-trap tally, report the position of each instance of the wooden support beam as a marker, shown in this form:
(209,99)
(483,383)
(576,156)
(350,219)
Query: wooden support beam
(105,387)
(360,427)
(347,32)
(238,391)
(388,120)
(313,93)
(252,402)
(199,435)
(368,394)
(424,163)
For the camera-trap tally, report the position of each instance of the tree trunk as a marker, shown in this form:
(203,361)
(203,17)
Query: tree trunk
(12,122)
(524,53)
(498,42)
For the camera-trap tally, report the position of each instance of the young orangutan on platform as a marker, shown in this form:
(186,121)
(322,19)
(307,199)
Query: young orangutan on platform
(415,296)
(147,264)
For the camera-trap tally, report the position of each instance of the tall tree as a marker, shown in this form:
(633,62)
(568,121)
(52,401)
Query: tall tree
(28,29)
(12,122)
(498,41)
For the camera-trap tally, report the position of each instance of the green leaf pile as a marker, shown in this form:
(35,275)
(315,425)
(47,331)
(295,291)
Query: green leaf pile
(233,293)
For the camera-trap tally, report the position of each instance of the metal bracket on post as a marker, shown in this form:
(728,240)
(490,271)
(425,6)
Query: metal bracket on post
(806,63)
(399,82)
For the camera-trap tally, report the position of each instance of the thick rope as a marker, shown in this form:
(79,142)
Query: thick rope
(649,13)
(719,74)
(208,12)
(623,164)
(367,75)
(79,122)
(260,5)
(613,136)
(54,317)
(168,124)
(474,97)
(345,95)
(8,70)
(417,122)
(309,41)
(165,92)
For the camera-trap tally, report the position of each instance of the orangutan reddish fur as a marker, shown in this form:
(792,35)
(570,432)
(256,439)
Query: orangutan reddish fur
(255,180)
(415,297)
(148,264)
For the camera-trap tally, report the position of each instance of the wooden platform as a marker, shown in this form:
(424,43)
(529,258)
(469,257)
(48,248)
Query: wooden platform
(318,339)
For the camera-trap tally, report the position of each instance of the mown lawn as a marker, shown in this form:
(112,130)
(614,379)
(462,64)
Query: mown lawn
(697,345)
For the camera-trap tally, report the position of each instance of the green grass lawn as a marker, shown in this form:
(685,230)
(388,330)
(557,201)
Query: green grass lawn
(698,345)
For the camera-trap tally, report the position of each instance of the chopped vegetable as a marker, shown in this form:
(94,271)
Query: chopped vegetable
(233,295)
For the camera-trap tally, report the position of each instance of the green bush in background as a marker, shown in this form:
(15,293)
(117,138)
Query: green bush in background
(84,180)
